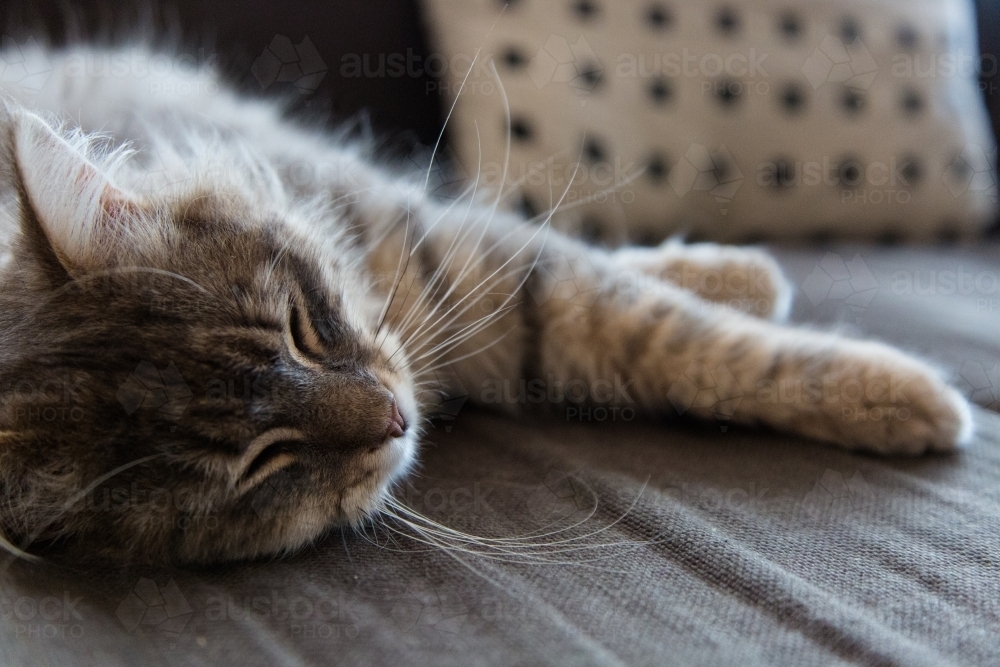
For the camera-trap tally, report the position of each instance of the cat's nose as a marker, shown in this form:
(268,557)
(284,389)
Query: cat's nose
(397,425)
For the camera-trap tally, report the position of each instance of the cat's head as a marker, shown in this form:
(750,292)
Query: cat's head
(193,377)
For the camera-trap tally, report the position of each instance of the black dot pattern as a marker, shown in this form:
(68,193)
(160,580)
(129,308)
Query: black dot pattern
(850,30)
(912,102)
(657,169)
(590,76)
(592,229)
(853,101)
(851,172)
(790,25)
(906,36)
(514,58)
(728,92)
(586,10)
(527,207)
(782,173)
(722,168)
(521,129)
(594,150)
(660,91)
(911,170)
(727,21)
(658,16)
(793,98)
(801,98)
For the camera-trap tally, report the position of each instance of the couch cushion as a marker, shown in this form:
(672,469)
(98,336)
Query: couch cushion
(735,120)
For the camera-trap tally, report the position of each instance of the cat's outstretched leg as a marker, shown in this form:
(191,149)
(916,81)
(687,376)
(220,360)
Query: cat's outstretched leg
(491,299)
(515,305)
(668,350)
(745,279)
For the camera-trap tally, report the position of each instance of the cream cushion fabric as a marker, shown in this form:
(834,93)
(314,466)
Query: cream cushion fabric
(731,120)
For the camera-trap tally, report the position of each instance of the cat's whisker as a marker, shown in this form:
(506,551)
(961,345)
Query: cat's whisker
(423,237)
(465,333)
(401,269)
(528,537)
(527,551)
(414,338)
(455,244)
(392,502)
(428,368)
(400,272)
(504,172)
(447,118)
(524,279)
(454,360)
(411,282)
(453,247)
(472,292)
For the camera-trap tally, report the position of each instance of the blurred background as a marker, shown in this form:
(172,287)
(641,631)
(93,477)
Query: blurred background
(234,35)
(393,67)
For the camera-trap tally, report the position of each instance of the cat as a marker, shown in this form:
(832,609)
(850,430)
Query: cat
(223,332)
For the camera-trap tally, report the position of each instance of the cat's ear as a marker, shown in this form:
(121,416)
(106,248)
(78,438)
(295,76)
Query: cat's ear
(83,217)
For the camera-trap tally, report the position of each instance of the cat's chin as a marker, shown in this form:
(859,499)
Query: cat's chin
(362,500)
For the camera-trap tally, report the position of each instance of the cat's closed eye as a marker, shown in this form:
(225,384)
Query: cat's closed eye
(304,341)
(266,454)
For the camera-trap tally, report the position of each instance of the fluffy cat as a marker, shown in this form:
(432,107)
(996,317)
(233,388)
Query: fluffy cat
(226,342)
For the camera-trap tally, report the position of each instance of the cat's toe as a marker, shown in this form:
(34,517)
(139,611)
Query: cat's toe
(940,422)
(930,417)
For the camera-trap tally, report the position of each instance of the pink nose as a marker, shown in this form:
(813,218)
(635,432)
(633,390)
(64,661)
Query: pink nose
(397,425)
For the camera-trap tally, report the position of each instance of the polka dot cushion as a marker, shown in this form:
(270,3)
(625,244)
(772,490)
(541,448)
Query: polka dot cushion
(734,121)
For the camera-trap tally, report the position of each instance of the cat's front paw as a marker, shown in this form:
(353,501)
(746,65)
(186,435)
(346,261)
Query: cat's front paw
(898,405)
(744,279)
